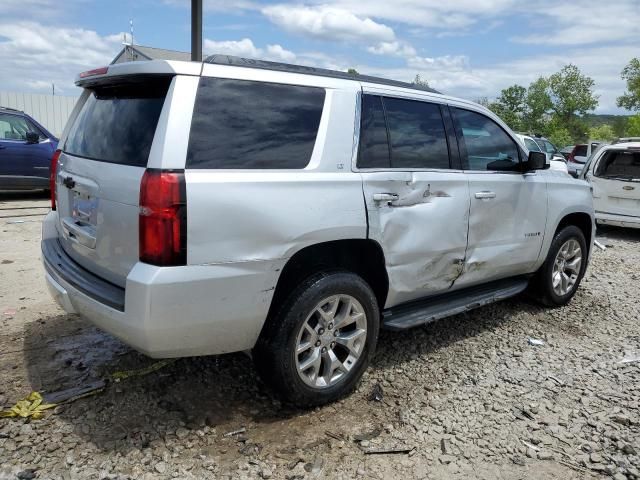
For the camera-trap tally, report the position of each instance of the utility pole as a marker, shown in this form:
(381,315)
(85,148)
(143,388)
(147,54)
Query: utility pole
(196,30)
(53,89)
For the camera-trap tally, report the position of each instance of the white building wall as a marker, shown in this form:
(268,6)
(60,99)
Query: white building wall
(50,111)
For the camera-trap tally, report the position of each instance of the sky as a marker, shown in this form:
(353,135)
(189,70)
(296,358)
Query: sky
(465,48)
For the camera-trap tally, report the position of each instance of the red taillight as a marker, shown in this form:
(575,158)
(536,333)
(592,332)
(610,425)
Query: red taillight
(94,72)
(163,218)
(572,157)
(53,170)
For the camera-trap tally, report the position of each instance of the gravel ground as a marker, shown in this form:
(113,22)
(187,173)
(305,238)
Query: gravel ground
(466,397)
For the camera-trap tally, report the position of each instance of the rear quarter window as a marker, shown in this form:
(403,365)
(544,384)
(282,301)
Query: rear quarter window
(240,124)
(117,123)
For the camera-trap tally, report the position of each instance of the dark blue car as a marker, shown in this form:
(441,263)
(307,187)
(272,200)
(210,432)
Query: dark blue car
(26,148)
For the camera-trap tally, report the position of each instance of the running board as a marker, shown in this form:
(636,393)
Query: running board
(427,310)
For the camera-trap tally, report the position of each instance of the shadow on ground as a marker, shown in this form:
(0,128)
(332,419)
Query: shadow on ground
(224,392)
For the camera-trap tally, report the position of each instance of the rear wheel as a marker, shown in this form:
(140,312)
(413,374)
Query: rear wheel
(316,348)
(561,274)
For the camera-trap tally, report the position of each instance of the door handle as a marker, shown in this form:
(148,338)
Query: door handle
(385,197)
(485,194)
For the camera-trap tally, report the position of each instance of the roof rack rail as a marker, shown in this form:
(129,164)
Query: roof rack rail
(321,72)
(12,109)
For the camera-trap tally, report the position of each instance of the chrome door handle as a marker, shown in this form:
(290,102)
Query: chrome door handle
(485,194)
(385,197)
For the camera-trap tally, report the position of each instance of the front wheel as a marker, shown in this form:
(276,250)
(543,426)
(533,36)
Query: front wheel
(316,348)
(561,274)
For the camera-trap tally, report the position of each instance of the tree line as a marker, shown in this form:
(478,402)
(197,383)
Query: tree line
(558,106)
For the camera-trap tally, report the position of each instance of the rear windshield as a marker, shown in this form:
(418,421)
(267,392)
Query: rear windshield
(117,122)
(240,124)
(623,165)
(581,151)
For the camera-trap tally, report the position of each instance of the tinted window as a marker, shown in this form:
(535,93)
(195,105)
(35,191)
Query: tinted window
(117,123)
(374,146)
(488,145)
(580,151)
(624,165)
(548,146)
(243,124)
(416,134)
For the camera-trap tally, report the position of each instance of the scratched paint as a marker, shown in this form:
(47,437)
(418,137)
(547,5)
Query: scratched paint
(423,233)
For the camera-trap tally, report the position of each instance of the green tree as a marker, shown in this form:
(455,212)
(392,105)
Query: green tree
(353,71)
(420,81)
(633,126)
(538,105)
(571,93)
(631,98)
(602,132)
(511,106)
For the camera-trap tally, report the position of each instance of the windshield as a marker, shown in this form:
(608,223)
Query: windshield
(531,145)
(548,146)
(623,165)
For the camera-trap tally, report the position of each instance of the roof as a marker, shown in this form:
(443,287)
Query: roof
(151,53)
(321,72)
(9,109)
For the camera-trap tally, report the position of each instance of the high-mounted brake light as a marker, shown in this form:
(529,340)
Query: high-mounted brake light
(53,171)
(94,72)
(163,218)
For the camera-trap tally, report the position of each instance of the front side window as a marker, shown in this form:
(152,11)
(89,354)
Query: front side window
(240,124)
(531,145)
(621,165)
(488,146)
(14,127)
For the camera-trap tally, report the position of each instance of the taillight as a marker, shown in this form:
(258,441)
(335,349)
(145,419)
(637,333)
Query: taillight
(53,170)
(163,218)
(571,158)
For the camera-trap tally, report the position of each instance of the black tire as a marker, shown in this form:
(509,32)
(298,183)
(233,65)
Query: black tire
(274,354)
(543,281)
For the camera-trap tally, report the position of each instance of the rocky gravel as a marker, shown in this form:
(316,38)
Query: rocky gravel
(511,390)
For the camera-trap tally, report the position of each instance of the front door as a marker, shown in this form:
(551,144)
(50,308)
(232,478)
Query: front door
(508,209)
(417,204)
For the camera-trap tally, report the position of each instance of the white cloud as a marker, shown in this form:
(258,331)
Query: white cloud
(395,48)
(34,54)
(328,23)
(246,48)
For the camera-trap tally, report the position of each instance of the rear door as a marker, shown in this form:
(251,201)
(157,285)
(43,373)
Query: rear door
(105,154)
(616,183)
(508,209)
(17,157)
(417,201)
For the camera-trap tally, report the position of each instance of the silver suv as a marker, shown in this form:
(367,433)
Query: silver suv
(241,205)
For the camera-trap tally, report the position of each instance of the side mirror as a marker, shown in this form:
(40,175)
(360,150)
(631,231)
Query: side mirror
(32,137)
(536,161)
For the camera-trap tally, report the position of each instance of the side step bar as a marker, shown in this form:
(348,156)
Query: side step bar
(429,309)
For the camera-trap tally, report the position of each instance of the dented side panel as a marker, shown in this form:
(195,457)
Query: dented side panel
(423,232)
(506,231)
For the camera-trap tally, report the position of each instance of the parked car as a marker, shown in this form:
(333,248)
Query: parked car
(626,140)
(26,148)
(580,155)
(614,174)
(566,151)
(244,205)
(541,144)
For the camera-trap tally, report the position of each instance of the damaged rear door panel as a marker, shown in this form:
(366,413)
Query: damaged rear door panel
(423,232)
(417,203)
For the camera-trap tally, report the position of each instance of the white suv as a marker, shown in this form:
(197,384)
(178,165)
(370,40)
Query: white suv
(242,205)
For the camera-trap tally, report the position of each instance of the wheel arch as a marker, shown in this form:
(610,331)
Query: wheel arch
(582,220)
(363,257)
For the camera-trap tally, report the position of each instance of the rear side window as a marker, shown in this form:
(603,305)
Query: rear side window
(403,134)
(374,145)
(624,165)
(241,124)
(488,146)
(580,151)
(117,123)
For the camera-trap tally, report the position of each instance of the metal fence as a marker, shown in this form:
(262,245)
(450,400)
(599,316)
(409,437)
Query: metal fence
(50,111)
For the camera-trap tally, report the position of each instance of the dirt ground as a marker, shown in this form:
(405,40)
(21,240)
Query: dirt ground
(466,397)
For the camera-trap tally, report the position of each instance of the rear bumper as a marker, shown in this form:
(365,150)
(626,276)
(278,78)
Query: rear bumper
(167,311)
(616,220)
